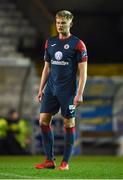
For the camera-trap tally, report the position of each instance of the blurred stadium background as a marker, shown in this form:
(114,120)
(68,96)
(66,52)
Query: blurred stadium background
(24,26)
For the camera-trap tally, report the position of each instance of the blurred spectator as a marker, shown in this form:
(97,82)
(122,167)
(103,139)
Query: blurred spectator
(17,139)
(3,135)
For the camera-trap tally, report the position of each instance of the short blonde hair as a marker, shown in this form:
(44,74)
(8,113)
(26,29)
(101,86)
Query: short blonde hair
(65,14)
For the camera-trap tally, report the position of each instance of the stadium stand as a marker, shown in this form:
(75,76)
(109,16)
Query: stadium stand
(15,68)
(14,29)
(18,85)
(98,117)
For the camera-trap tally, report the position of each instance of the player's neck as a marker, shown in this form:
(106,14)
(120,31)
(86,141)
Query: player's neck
(64,36)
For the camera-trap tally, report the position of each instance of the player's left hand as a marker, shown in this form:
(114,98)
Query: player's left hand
(78,99)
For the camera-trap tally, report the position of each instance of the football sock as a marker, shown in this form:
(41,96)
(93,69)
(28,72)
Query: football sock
(69,142)
(48,141)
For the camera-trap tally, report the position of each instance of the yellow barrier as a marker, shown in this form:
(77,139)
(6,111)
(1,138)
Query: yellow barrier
(105,69)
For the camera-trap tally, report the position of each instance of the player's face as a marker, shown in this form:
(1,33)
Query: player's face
(63,25)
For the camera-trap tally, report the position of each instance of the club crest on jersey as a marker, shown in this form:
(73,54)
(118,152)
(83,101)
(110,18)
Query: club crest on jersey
(58,55)
(66,46)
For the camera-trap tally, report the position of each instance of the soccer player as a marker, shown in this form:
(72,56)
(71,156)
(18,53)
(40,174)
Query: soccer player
(64,54)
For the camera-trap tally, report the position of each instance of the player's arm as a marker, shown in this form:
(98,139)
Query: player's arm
(82,67)
(45,72)
(44,77)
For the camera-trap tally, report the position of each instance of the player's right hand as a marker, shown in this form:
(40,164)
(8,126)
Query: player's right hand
(40,95)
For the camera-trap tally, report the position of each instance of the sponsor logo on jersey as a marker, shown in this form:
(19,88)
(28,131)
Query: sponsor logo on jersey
(58,55)
(62,63)
(66,46)
(84,53)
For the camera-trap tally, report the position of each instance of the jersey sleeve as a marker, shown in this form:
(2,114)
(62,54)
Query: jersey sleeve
(46,54)
(81,52)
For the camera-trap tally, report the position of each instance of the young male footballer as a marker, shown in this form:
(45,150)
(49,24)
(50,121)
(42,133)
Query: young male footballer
(64,54)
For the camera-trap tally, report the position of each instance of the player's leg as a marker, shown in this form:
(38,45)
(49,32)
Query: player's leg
(49,106)
(47,135)
(47,140)
(68,112)
(69,125)
(69,137)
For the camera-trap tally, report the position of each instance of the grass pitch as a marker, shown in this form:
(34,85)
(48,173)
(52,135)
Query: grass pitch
(81,167)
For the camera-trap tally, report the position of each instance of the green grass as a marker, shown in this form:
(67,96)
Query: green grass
(81,167)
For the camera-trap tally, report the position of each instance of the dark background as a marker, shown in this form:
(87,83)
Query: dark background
(99,23)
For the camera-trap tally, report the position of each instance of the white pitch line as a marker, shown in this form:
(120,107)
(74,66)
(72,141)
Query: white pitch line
(31,178)
(17,176)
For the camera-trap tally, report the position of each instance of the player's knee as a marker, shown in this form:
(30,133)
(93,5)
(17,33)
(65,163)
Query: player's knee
(44,120)
(44,123)
(69,123)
